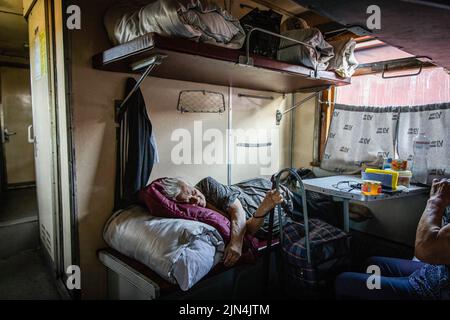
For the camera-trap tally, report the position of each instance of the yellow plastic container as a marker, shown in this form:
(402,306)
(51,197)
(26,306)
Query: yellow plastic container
(371,188)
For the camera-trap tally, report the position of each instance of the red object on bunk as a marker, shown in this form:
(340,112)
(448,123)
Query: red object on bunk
(160,206)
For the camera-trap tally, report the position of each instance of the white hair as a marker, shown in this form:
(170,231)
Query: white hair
(172,187)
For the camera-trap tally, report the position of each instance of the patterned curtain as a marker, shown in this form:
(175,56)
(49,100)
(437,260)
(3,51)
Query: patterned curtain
(434,121)
(359,135)
(362,134)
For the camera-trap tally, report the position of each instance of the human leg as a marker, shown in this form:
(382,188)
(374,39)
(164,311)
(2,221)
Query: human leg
(393,267)
(350,285)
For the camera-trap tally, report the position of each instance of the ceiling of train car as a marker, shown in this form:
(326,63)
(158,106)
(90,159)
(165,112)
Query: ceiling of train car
(13,29)
(419,27)
(288,5)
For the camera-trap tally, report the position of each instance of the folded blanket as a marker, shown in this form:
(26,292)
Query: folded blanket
(300,54)
(180,251)
(344,62)
(192,19)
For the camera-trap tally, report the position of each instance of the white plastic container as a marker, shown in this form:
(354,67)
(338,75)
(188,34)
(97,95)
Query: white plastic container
(404,178)
(421,145)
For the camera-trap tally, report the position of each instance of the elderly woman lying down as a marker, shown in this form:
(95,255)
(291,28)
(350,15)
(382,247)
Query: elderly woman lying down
(246,205)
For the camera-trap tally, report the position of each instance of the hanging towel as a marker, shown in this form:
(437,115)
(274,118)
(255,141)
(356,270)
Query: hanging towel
(137,147)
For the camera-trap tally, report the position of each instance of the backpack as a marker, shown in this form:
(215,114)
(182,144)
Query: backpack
(261,43)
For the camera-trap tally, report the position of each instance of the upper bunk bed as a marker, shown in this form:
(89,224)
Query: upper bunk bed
(192,61)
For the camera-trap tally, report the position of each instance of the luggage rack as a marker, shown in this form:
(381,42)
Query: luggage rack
(187,60)
(247,60)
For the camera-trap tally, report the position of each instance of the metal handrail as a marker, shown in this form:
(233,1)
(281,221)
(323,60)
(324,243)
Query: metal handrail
(276,184)
(279,114)
(247,49)
(298,104)
(293,173)
(254,96)
(386,67)
(391,65)
(150,64)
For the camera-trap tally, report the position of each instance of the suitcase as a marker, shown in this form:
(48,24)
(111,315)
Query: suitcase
(313,252)
(328,248)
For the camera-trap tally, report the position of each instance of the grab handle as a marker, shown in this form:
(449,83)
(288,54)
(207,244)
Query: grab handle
(30,134)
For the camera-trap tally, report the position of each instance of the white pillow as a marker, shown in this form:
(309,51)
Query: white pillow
(180,251)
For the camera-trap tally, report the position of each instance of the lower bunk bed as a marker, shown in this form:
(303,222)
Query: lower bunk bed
(173,250)
(129,279)
(162,258)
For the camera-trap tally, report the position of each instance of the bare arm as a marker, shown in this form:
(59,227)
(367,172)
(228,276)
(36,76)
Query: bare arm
(234,249)
(256,222)
(239,226)
(433,240)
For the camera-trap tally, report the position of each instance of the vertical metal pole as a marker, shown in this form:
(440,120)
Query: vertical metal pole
(317,125)
(230,152)
(306,221)
(346,215)
(267,260)
(292,133)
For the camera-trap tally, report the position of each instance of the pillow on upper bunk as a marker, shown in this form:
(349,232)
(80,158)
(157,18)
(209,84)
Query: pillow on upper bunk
(161,206)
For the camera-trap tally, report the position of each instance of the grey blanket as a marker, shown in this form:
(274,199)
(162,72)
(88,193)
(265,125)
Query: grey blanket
(250,193)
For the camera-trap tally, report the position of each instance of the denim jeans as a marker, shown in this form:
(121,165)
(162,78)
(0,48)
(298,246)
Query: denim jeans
(394,281)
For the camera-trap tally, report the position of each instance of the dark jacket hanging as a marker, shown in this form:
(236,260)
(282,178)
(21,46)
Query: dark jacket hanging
(136,151)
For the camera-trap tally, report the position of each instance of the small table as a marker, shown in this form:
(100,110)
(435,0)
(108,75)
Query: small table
(327,186)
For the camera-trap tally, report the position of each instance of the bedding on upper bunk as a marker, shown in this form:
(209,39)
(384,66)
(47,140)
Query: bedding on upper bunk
(180,251)
(194,19)
(337,56)
(344,62)
(299,54)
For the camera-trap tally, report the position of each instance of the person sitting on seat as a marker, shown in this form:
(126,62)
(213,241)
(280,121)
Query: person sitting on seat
(408,279)
(245,204)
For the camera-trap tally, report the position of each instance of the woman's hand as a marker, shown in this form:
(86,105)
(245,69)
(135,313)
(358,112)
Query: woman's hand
(272,199)
(233,253)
